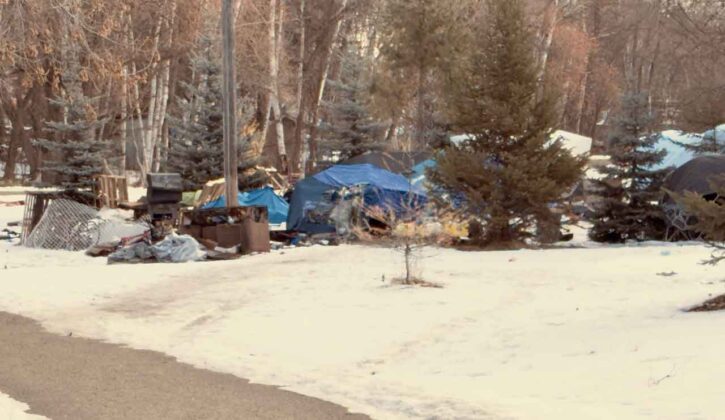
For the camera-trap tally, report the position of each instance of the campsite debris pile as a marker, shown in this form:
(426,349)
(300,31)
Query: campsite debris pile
(173,248)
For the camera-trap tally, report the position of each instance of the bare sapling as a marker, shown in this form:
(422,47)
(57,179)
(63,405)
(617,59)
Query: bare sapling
(409,230)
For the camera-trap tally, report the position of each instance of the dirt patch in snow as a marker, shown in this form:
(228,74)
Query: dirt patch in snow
(714,304)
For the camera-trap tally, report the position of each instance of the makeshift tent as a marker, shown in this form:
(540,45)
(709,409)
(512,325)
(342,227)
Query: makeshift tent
(265,197)
(695,175)
(314,197)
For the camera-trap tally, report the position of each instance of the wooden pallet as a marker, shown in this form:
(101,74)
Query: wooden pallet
(110,190)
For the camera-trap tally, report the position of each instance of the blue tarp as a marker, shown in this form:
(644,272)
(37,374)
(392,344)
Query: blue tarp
(314,197)
(365,174)
(264,197)
(310,207)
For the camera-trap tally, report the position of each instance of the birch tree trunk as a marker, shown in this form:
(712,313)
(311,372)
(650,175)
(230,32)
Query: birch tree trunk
(124,118)
(275,34)
(160,118)
(548,28)
(299,139)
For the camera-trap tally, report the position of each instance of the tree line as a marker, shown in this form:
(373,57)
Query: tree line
(125,84)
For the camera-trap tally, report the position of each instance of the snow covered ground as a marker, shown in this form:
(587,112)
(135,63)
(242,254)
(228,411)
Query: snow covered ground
(586,333)
(14,410)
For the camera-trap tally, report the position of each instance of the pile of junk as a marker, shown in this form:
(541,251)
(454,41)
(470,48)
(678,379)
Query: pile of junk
(159,227)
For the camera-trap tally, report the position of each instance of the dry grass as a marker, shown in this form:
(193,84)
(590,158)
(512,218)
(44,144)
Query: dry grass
(416,282)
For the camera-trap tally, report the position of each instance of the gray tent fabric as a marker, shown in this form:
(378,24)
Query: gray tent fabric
(695,175)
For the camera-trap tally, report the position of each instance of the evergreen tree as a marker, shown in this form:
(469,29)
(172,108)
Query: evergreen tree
(197,141)
(75,153)
(707,215)
(197,146)
(348,128)
(508,173)
(629,207)
(419,41)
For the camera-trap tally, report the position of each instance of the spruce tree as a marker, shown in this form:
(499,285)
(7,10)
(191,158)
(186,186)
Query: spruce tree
(197,138)
(75,154)
(197,143)
(629,207)
(348,128)
(508,174)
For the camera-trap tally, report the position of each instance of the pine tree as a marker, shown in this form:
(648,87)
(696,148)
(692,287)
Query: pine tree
(629,207)
(197,147)
(508,173)
(75,153)
(349,129)
(197,142)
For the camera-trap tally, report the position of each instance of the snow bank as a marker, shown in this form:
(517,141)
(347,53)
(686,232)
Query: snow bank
(593,333)
(14,410)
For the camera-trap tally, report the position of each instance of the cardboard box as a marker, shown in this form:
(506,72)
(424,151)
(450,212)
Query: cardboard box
(228,236)
(209,232)
(255,236)
(191,230)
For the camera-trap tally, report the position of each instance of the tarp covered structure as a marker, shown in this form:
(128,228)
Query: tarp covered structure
(695,175)
(315,197)
(263,197)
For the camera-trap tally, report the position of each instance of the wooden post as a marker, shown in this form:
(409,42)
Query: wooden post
(229,107)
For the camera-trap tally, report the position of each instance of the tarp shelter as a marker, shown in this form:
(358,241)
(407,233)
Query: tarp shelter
(695,175)
(314,197)
(265,197)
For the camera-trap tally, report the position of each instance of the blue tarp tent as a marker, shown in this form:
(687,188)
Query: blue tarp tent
(264,197)
(314,197)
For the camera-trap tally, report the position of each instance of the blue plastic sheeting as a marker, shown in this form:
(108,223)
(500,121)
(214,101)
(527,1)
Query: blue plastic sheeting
(314,198)
(365,174)
(310,206)
(265,197)
(419,177)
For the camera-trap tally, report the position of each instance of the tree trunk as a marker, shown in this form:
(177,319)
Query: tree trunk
(229,89)
(275,41)
(124,119)
(320,88)
(546,35)
(300,127)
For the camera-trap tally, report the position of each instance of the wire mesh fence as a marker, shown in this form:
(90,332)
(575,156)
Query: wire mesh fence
(69,225)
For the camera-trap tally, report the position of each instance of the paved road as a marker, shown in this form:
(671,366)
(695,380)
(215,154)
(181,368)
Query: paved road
(78,379)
